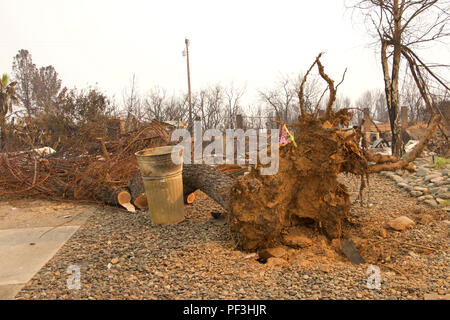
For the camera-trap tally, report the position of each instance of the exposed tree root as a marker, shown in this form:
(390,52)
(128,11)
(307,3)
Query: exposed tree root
(305,191)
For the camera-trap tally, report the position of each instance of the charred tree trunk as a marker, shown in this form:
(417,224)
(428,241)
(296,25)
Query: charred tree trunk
(2,131)
(214,183)
(102,191)
(115,196)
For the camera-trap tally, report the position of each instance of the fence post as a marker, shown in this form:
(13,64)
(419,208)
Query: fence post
(239,121)
(279,116)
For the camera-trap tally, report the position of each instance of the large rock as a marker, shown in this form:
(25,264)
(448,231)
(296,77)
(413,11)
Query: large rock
(432,203)
(437,180)
(401,223)
(399,172)
(437,190)
(405,186)
(421,189)
(422,172)
(416,193)
(445,195)
(266,254)
(397,178)
(432,176)
(435,296)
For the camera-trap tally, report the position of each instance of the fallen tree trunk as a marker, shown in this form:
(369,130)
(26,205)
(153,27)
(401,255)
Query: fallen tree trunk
(404,163)
(115,196)
(104,192)
(214,183)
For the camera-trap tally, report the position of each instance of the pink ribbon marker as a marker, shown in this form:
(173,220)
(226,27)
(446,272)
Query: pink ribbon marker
(283,140)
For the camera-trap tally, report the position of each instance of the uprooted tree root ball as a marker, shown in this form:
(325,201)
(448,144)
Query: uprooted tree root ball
(267,211)
(304,189)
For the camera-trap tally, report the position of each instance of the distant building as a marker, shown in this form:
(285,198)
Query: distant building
(374,130)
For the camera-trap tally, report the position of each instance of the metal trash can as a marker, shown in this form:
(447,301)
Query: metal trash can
(163,184)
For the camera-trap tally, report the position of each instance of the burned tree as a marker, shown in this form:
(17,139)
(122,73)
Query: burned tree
(24,72)
(400,28)
(7,98)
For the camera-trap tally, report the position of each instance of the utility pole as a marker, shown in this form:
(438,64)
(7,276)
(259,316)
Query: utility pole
(189,84)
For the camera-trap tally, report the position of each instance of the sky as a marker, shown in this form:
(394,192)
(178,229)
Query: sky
(247,43)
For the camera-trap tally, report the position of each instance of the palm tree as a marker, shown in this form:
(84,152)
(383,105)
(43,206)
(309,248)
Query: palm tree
(7,98)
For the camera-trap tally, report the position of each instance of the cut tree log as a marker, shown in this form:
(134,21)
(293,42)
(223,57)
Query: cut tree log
(116,196)
(122,196)
(190,198)
(105,192)
(141,201)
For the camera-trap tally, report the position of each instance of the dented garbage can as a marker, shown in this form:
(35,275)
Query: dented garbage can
(163,184)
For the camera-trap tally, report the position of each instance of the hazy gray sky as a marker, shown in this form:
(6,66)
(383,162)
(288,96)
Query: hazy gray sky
(248,42)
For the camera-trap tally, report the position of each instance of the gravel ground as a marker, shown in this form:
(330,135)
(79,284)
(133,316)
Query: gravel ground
(124,256)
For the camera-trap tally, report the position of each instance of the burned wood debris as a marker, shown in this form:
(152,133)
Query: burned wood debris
(99,164)
(96,164)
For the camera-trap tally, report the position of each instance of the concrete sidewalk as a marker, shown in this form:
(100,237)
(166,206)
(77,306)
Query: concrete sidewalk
(28,238)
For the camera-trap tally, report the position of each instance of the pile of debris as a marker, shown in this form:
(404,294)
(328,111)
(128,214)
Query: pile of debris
(438,144)
(95,166)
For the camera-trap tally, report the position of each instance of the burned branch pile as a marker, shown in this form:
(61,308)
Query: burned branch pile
(95,166)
